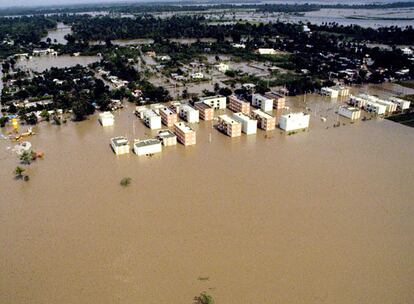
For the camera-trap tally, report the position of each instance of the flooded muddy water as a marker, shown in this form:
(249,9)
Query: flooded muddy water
(42,63)
(58,35)
(324,216)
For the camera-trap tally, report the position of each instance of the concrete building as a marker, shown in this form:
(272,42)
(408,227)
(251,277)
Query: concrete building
(120,145)
(185,134)
(278,100)
(249,126)
(329,92)
(357,101)
(349,112)
(147,146)
(229,126)
(390,107)
(168,116)
(222,67)
(401,103)
(106,119)
(151,119)
(167,137)
(371,106)
(262,102)
(216,102)
(294,121)
(206,111)
(266,51)
(238,105)
(189,114)
(265,121)
(342,90)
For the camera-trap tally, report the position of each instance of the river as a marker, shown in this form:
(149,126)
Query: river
(324,216)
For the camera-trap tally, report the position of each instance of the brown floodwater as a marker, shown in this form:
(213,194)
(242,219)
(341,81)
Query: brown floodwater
(324,216)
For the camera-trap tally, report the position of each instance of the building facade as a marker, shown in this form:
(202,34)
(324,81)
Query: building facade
(262,102)
(189,114)
(216,102)
(229,126)
(185,134)
(206,112)
(294,121)
(238,105)
(249,126)
(168,116)
(265,121)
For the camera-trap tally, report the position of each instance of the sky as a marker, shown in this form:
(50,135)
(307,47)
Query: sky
(28,3)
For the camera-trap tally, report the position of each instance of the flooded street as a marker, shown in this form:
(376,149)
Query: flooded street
(324,216)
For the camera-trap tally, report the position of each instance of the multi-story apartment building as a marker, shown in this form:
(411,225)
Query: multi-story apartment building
(229,126)
(189,114)
(262,102)
(168,116)
(249,126)
(185,134)
(238,105)
(206,112)
(278,100)
(265,121)
(216,102)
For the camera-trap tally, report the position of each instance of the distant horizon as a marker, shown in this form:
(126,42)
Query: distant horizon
(5,4)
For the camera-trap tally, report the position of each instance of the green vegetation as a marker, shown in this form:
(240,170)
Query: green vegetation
(125,182)
(204,298)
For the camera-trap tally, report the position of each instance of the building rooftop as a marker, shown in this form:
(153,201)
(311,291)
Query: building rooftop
(295,115)
(242,116)
(352,109)
(202,105)
(228,119)
(150,113)
(106,115)
(166,133)
(211,97)
(146,142)
(187,107)
(120,141)
(183,127)
(262,114)
(167,111)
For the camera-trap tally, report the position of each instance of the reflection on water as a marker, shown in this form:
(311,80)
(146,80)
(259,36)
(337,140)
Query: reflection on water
(58,35)
(43,63)
(320,216)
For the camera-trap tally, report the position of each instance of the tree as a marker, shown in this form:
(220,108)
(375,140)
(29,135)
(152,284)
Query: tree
(204,298)
(18,172)
(125,182)
(26,158)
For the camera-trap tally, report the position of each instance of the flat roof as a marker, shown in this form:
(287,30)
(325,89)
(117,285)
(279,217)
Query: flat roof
(146,142)
(187,107)
(165,133)
(274,95)
(262,114)
(120,141)
(228,119)
(243,116)
(183,127)
(202,105)
(297,114)
(352,109)
(212,97)
(150,113)
(167,111)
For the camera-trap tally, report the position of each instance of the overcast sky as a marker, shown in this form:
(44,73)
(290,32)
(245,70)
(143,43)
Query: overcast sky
(9,3)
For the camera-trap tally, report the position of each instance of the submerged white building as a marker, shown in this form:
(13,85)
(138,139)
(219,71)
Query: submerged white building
(106,119)
(120,145)
(294,121)
(249,126)
(349,112)
(262,102)
(147,146)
